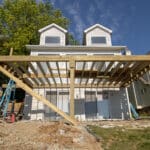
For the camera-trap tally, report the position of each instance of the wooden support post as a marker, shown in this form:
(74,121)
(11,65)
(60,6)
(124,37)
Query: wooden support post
(11,52)
(72,85)
(38,97)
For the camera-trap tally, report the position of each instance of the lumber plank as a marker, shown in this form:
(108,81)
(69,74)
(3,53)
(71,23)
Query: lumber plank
(38,97)
(129,58)
(72,83)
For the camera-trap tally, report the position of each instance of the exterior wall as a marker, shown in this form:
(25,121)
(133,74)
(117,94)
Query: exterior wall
(33,109)
(53,32)
(71,52)
(98,32)
(141,98)
(27,107)
(37,107)
(139,92)
(103,104)
(118,104)
(98,106)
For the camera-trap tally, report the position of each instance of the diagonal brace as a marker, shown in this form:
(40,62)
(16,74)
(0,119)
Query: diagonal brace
(38,97)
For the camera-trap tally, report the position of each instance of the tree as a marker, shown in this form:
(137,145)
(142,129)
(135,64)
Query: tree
(20,21)
(71,40)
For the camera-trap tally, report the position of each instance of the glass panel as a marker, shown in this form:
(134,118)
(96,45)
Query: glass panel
(98,40)
(52,39)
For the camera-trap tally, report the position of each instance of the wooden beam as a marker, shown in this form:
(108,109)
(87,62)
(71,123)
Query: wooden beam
(119,77)
(115,69)
(39,75)
(42,71)
(136,70)
(68,86)
(19,73)
(131,58)
(108,68)
(83,68)
(11,51)
(98,70)
(35,72)
(50,70)
(58,69)
(106,72)
(72,83)
(67,72)
(92,66)
(27,73)
(114,72)
(38,97)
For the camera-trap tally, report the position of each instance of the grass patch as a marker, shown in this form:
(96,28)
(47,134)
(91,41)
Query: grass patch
(121,138)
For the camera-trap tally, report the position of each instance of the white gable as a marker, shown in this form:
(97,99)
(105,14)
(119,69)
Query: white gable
(98,35)
(53,35)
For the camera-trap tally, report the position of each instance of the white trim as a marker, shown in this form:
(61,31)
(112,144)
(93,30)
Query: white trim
(98,26)
(52,25)
(135,95)
(47,47)
(128,103)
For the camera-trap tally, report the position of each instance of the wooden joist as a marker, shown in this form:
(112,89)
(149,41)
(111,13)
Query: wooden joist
(43,72)
(83,68)
(16,70)
(117,70)
(89,85)
(39,75)
(100,67)
(59,72)
(35,72)
(38,97)
(25,71)
(50,70)
(91,69)
(134,72)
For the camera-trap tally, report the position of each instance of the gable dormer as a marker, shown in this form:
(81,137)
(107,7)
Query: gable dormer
(53,35)
(97,35)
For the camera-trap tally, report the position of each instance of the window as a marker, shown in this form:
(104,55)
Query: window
(52,39)
(98,40)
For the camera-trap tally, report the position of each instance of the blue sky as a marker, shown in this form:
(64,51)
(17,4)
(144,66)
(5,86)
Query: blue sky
(129,20)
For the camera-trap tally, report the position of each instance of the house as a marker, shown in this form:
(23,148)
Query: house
(139,92)
(89,102)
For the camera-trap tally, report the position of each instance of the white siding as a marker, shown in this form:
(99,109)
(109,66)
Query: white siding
(119,108)
(53,32)
(98,32)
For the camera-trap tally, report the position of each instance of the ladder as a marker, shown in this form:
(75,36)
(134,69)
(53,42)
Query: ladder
(6,97)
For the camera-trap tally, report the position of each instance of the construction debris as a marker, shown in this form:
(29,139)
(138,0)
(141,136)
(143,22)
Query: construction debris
(27,135)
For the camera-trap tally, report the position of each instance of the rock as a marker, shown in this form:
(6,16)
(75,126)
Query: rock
(61,132)
(78,139)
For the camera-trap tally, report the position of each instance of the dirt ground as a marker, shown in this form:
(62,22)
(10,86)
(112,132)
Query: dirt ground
(44,135)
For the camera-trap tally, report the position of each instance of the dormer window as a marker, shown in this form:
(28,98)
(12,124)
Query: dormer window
(52,40)
(98,40)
